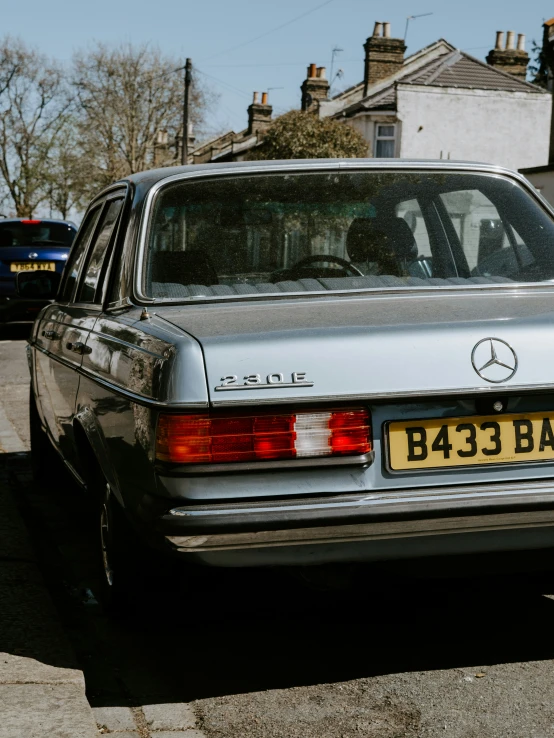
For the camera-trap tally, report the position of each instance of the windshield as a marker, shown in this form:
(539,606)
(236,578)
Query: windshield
(26,233)
(305,232)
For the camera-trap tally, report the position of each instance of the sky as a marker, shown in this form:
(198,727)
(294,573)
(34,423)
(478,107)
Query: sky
(240,47)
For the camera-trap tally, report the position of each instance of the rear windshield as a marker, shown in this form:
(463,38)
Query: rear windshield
(305,232)
(21,233)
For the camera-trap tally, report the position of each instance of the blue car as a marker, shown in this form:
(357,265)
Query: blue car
(29,245)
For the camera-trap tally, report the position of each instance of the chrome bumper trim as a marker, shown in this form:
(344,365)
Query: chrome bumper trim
(395,514)
(361,532)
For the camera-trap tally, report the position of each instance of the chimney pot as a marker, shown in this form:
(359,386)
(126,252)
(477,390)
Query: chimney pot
(507,59)
(377,28)
(312,71)
(321,73)
(384,56)
(264,98)
(255,98)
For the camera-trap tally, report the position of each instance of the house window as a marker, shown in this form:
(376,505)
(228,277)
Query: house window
(385,141)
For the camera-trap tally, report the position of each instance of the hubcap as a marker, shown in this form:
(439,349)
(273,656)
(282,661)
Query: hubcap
(104,541)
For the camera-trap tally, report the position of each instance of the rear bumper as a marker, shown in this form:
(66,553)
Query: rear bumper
(400,524)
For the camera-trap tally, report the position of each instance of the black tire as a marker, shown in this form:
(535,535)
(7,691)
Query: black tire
(44,459)
(127,567)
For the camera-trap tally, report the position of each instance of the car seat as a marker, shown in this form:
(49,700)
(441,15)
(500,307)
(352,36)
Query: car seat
(387,242)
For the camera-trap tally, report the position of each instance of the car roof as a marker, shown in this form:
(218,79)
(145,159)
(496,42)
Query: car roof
(152,176)
(38,220)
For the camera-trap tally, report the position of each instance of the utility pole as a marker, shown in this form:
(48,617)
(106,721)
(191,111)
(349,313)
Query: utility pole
(186,101)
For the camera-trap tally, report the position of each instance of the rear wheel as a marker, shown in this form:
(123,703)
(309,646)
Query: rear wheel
(119,555)
(128,569)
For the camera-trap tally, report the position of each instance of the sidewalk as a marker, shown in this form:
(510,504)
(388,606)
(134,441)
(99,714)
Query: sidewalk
(42,691)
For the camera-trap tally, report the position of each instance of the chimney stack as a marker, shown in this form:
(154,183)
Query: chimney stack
(315,89)
(384,56)
(259,114)
(509,58)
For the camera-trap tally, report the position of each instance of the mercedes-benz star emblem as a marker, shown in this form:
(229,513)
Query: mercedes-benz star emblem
(494,360)
(33,255)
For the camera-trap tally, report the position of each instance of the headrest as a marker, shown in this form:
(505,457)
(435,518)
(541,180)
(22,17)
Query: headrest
(368,239)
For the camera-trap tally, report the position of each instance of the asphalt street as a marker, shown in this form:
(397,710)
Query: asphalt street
(257,654)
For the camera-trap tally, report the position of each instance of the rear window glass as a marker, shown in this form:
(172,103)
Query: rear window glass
(305,232)
(41,233)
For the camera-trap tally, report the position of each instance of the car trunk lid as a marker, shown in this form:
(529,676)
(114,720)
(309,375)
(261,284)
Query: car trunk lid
(378,346)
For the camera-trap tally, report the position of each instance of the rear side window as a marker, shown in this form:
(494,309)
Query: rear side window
(78,252)
(89,285)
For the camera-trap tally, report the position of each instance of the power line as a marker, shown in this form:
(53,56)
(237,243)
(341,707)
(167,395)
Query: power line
(221,82)
(272,30)
(277,64)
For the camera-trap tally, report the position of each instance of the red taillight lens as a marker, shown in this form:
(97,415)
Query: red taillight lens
(30,222)
(209,439)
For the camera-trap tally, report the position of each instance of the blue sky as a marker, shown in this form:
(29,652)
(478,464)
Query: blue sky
(208,32)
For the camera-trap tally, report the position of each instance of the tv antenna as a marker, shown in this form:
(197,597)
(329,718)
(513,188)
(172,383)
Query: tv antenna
(413,17)
(335,51)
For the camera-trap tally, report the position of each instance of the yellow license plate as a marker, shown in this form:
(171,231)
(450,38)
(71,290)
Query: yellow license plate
(32,266)
(470,441)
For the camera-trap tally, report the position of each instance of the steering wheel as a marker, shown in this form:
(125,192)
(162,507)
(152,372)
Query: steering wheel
(346,265)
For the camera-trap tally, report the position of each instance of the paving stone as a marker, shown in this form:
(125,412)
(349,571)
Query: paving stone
(172,716)
(176,734)
(114,718)
(40,710)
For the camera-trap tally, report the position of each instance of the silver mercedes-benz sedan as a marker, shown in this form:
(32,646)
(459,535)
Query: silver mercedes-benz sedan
(296,363)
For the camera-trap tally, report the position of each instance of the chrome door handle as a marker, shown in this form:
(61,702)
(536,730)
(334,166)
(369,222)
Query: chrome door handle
(78,348)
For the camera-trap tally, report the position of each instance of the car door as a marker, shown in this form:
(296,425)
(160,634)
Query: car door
(72,321)
(51,378)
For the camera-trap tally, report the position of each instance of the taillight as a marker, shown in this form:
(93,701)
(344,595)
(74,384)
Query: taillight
(209,439)
(29,221)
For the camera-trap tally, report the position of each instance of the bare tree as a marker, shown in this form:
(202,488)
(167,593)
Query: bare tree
(126,97)
(68,174)
(34,107)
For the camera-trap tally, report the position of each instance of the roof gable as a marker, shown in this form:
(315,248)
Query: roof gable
(455,69)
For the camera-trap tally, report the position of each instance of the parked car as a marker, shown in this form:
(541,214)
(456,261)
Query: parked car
(305,362)
(28,244)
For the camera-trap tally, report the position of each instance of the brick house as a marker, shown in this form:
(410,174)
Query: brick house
(437,103)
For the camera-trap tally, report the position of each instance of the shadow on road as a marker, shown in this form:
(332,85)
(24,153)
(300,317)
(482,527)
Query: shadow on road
(249,630)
